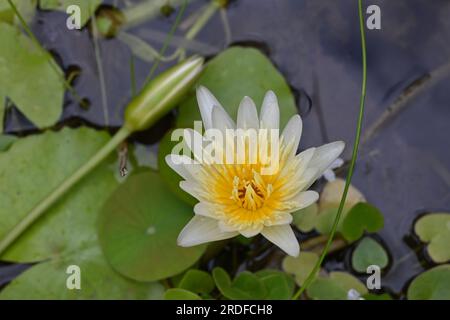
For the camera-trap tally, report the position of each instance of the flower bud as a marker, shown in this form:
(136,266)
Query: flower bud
(162,94)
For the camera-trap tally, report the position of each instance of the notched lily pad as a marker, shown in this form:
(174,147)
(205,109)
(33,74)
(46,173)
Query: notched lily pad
(246,285)
(362,217)
(197,281)
(138,229)
(369,252)
(433,284)
(335,287)
(434,229)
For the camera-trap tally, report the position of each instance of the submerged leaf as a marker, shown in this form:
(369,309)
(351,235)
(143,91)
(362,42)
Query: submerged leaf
(433,284)
(369,252)
(28,79)
(434,229)
(138,229)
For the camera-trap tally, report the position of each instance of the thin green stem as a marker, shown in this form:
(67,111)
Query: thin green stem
(57,193)
(166,42)
(316,268)
(47,55)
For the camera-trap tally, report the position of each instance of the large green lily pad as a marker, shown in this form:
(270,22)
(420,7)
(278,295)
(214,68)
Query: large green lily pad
(233,74)
(138,229)
(28,79)
(433,284)
(434,229)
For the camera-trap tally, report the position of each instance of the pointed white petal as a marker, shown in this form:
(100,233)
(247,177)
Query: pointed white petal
(270,113)
(283,237)
(292,132)
(305,199)
(200,230)
(282,218)
(323,157)
(247,115)
(221,120)
(251,232)
(194,189)
(205,209)
(186,167)
(206,103)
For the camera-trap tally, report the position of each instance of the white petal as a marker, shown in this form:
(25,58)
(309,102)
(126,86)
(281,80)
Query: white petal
(247,116)
(293,131)
(221,120)
(282,218)
(305,199)
(324,156)
(186,167)
(204,209)
(283,237)
(206,103)
(194,189)
(200,230)
(270,113)
(251,232)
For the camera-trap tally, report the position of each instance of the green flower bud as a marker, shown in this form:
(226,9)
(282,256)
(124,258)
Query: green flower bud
(162,94)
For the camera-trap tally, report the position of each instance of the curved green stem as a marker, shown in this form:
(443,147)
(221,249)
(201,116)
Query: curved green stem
(316,268)
(48,201)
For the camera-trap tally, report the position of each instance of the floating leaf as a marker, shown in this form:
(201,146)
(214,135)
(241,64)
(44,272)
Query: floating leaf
(28,79)
(139,226)
(87,7)
(66,234)
(306,219)
(362,217)
(279,285)
(233,74)
(6,141)
(330,198)
(369,252)
(372,296)
(335,287)
(433,284)
(168,175)
(180,294)
(300,266)
(197,281)
(246,285)
(434,229)
(27,9)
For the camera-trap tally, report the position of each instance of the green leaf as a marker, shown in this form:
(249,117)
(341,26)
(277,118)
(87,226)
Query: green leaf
(6,141)
(139,226)
(433,284)
(197,281)
(306,219)
(168,175)
(372,296)
(279,285)
(369,252)
(434,228)
(233,74)
(246,286)
(300,266)
(180,294)
(362,217)
(28,79)
(66,234)
(27,9)
(335,287)
(86,7)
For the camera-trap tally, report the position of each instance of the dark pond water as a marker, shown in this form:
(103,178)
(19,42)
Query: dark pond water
(404,167)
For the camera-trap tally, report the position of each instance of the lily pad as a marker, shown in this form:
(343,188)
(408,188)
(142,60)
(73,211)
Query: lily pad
(279,285)
(433,284)
(180,294)
(335,287)
(139,226)
(369,252)
(66,234)
(434,229)
(362,217)
(306,219)
(197,281)
(246,285)
(233,74)
(27,9)
(6,141)
(28,79)
(300,266)
(87,7)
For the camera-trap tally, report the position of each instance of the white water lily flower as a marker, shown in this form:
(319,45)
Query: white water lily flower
(237,198)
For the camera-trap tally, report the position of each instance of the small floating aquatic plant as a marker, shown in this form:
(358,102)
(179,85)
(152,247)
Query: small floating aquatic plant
(238,196)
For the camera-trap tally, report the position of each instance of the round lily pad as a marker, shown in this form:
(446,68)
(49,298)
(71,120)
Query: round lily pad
(433,284)
(434,229)
(369,252)
(138,229)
